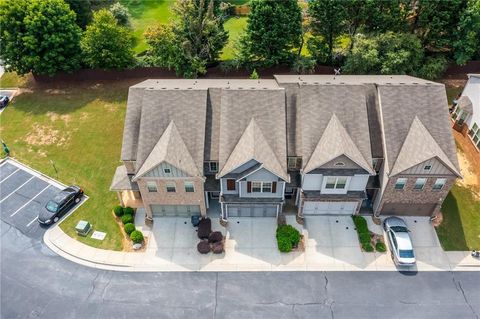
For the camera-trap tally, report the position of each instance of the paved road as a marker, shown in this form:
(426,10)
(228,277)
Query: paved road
(36,283)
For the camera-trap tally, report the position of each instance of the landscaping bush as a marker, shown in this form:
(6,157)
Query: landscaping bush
(380,247)
(128,211)
(215,237)
(287,237)
(118,210)
(360,224)
(127,219)
(136,236)
(367,247)
(203,247)
(217,248)
(129,228)
(364,237)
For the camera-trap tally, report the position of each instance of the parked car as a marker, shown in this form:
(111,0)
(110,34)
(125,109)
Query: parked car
(60,204)
(399,241)
(4,101)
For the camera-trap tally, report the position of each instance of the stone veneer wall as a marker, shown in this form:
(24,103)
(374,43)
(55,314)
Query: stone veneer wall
(180,197)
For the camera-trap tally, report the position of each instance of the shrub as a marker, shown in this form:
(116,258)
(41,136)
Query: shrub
(380,247)
(136,236)
(128,211)
(364,237)
(367,247)
(287,237)
(129,228)
(203,247)
(215,237)
(360,224)
(118,210)
(127,219)
(217,248)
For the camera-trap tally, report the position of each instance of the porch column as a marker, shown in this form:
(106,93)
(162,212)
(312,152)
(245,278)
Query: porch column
(120,199)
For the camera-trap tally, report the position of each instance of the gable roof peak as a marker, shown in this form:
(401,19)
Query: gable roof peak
(418,147)
(335,141)
(171,149)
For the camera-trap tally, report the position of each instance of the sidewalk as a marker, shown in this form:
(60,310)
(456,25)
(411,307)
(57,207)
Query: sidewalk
(250,246)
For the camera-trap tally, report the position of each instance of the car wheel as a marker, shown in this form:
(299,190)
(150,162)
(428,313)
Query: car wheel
(55,219)
(77,200)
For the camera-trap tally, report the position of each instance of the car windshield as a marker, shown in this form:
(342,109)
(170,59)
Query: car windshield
(52,206)
(399,229)
(406,253)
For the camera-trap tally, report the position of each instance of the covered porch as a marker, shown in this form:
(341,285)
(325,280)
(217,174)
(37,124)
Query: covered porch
(127,191)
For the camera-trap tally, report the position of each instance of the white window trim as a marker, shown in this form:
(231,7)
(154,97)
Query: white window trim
(261,186)
(167,184)
(423,186)
(165,169)
(210,166)
(443,184)
(189,183)
(154,184)
(335,190)
(427,169)
(404,184)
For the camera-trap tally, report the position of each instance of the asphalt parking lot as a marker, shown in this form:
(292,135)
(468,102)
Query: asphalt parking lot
(23,192)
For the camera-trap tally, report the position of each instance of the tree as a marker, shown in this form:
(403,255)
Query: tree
(120,12)
(192,41)
(107,45)
(327,23)
(274,31)
(467,34)
(385,16)
(83,10)
(388,53)
(38,36)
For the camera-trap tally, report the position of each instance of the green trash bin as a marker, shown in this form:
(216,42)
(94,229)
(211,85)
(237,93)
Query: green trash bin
(83,228)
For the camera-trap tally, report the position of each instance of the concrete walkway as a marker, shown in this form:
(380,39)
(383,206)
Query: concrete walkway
(330,244)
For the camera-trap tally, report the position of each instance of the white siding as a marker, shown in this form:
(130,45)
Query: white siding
(472,90)
(158,171)
(358,183)
(223,181)
(437,169)
(277,194)
(312,182)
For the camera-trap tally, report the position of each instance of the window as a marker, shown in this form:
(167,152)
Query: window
(171,187)
(420,183)
(256,187)
(167,170)
(152,187)
(189,188)
(439,183)
(336,183)
(475,135)
(339,164)
(427,167)
(400,184)
(266,187)
(230,184)
(294,163)
(213,167)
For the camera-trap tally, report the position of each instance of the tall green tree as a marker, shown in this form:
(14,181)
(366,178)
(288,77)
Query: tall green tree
(192,41)
(83,11)
(38,36)
(328,21)
(106,44)
(384,16)
(274,31)
(467,34)
(121,13)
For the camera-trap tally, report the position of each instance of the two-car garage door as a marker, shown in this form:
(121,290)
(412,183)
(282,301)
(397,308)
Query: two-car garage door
(329,208)
(175,210)
(252,211)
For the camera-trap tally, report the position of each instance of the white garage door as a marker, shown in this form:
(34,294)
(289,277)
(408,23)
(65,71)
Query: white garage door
(252,211)
(175,210)
(329,208)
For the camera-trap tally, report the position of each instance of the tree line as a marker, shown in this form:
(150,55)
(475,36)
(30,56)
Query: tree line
(416,37)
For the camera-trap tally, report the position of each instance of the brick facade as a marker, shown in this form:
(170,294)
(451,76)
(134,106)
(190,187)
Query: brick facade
(180,197)
(409,195)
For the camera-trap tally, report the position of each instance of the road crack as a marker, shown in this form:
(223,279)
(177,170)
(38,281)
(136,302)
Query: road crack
(458,286)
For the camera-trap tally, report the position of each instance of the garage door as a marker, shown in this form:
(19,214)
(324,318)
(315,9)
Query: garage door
(252,211)
(408,209)
(175,210)
(329,208)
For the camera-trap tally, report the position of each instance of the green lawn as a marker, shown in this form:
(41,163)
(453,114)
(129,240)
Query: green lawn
(13,80)
(460,229)
(146,14)
(235,27)
(452,92)
(80,130)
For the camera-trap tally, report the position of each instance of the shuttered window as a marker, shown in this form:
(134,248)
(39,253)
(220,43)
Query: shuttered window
(274,187)
(230,184)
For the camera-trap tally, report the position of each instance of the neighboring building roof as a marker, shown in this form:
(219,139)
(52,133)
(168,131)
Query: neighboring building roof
(253,145)
(122,181)
(418,147)
(171,149)
(267,108)
(335,142)
(400,105)
(465,104)
(317,106)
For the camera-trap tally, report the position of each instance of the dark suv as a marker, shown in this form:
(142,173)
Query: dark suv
(60,204)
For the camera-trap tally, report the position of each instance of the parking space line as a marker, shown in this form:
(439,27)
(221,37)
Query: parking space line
(9,175)
(30,200)
(28,225)
(3,199)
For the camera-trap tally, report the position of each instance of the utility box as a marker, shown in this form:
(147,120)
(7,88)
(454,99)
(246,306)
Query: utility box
(83,228)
